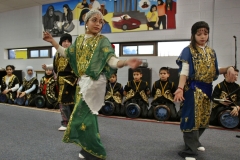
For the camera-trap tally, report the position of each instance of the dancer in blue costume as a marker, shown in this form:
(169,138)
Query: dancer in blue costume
(198,68)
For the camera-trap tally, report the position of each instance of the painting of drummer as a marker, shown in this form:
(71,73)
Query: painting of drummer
(48,88)
(137,91)
(29,88)
(221,91)
(9,86)
(163,91)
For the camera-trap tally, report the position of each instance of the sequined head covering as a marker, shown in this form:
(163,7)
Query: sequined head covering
(91,13)
(197,25)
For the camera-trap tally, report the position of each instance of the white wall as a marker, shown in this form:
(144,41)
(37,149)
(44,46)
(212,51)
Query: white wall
(22,28)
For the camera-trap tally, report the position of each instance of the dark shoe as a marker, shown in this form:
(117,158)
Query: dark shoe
(87,155)
(238,136)
(181,154)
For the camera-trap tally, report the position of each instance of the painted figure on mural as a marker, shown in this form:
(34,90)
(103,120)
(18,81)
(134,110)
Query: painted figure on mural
(94,4)
(82,16)
(83,4)
(84,8)
(106,27)
(49,19)
(152,17)
(67,25)
(145,5)
(171,9)
(161,13)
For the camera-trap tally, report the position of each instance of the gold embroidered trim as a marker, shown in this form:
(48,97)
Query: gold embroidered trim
(84,57)
(61,63)
(129,95)
(144,96)
(204,64)
(116,96)
(202,109)
(83,127)
(167,94)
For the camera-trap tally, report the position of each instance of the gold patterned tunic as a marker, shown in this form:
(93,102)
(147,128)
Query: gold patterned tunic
(221,91)
(203,69)
(66,80)
(12,82)
(49,90)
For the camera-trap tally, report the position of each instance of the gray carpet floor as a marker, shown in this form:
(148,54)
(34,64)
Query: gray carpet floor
(31,134)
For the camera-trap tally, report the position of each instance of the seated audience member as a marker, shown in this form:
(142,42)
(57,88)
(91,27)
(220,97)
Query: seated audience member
(29,88)
(48,88)
(9,85)
(163,92)
(114,94)
(222,91)
(137,91)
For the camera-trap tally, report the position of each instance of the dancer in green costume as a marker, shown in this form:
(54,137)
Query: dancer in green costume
(92,59)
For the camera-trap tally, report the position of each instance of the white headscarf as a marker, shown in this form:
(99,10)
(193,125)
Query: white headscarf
(91,13)
(29,77)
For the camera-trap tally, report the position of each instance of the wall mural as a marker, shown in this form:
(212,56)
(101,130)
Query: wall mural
(119,15)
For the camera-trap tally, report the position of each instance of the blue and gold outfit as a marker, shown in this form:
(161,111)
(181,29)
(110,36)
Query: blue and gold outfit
(203,70)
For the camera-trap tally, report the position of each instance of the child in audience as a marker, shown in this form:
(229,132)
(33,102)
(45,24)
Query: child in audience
(137,91)
(221,91)
(114,94)
(162,92)
(29,87)
(9,85)
(48,88)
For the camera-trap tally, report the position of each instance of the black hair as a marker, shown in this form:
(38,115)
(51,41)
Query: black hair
(137,70)
(84,11)
(161,2)
(164,68)
(115,73)
(194,29)
(11,66)
(153,7)
(49,8)
(170,5)
(64,37)
(235,69)
(68,8)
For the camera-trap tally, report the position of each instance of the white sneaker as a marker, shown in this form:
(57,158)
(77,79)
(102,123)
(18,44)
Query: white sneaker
(190,158)
(81,156)
(201,149)
(62,128)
